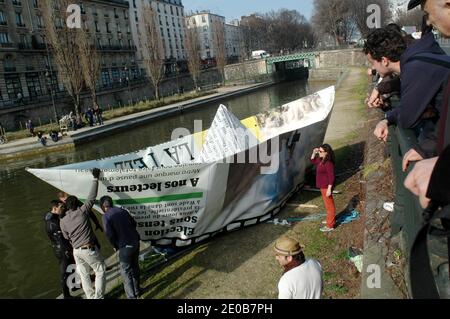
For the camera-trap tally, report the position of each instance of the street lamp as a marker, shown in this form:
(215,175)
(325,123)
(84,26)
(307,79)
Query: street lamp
(49,77)
(127,78)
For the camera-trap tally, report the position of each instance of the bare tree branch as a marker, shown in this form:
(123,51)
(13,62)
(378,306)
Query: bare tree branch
(193,51)
(153,54)
(65,49)
(90,60)
(219,46)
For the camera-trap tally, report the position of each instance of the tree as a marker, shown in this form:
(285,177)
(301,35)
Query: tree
(153,51)
(218,31)
(410,18)
(255,28)
(358,9)
(289,30)
(193,51)
(334,18)
(90,60)
(64,45)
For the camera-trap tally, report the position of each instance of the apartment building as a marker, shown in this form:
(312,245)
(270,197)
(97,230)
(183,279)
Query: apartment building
(170,20)
(28,74)
(205,22)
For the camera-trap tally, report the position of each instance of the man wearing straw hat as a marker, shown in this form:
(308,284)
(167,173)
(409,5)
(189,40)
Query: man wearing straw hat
(302,279)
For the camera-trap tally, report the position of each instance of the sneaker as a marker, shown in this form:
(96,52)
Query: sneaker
(324,222)
(325,229)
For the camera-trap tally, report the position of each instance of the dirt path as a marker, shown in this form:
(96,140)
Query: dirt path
(242,265)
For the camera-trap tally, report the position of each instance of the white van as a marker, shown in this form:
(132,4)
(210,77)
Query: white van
(260,54)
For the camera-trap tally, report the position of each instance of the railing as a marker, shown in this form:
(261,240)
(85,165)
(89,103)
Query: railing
(407,216)
(116,48)
(12,103)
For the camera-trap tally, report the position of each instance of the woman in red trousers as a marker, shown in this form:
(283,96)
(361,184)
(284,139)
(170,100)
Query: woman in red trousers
(323,160)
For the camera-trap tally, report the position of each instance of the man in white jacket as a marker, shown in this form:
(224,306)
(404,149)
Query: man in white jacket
(302,279)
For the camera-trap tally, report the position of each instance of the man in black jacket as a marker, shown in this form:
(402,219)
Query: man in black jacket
(61,247)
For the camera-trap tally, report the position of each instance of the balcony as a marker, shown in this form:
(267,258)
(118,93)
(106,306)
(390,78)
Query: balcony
(7,45)
(10,69)
(17,3)
(116,48)
(21,25)
(3,23)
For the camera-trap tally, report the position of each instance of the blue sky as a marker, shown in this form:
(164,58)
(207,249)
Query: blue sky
(234,9)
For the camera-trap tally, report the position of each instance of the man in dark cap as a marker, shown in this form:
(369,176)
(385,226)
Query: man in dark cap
(437,13)
(302,279)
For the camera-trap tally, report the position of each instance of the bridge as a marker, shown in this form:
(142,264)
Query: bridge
(291,61)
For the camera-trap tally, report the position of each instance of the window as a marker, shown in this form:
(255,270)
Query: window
(9,64)
(13,85)
(35,4)
(33,85)
(2,18)
(136,18)
(134,73)
(24,39)
(107,28)
(19,20)
(4,38)
(40,22)
(96,26)
(203,19)
(106,80)
(115,75)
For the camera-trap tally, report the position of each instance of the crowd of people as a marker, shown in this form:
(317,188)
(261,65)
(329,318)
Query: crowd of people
(419,71)
(74,242)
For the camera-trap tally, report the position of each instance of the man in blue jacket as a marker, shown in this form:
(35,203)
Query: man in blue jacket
(120,228)
(421,85)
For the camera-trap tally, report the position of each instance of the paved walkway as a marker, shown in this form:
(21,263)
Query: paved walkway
(32,145)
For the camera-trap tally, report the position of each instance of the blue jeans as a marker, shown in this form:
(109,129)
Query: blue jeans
(129,269)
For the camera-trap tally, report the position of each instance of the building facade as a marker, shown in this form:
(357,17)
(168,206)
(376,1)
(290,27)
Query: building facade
(205,23)
(170,20)
(233,42)
(28,74)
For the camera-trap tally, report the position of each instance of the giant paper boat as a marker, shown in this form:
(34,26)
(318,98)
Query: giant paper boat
(236,174)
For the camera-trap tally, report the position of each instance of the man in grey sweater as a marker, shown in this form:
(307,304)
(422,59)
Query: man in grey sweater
(76,227)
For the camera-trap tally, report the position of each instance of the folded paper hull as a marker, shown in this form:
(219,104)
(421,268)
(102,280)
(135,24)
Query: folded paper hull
(236,174)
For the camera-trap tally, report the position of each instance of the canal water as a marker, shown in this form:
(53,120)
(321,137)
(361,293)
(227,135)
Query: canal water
(28,268)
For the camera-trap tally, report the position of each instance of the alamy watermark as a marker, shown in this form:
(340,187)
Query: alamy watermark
(73,20)
(266,154)
(374,19)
